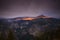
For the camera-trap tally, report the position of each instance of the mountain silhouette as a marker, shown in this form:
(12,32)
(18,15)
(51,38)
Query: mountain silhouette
(31,18)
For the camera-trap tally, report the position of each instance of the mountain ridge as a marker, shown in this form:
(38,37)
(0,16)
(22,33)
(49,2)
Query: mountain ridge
(31,18)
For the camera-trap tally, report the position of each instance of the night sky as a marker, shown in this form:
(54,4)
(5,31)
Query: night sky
(31,8)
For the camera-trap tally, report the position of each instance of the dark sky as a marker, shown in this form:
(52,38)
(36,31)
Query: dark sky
(31,8)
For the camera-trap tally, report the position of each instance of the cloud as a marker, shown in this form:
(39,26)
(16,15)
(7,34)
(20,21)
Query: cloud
(11,8)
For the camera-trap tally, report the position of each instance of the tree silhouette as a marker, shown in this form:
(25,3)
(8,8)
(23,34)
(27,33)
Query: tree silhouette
(2,36)
(10,35)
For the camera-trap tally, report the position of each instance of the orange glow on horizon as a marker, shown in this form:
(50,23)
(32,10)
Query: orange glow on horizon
(32,18)
(27,18)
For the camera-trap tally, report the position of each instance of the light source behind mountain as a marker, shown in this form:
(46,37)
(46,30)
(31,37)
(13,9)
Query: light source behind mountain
(32,18)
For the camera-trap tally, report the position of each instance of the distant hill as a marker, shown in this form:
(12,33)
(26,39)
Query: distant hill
(31,18)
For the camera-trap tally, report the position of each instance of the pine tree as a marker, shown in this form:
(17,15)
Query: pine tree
(10,35)
(1,36)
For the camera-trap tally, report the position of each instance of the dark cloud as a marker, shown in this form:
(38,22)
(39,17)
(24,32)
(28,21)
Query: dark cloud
(15,8)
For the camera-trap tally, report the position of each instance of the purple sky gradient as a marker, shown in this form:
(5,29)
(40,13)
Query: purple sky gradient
(31,8)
